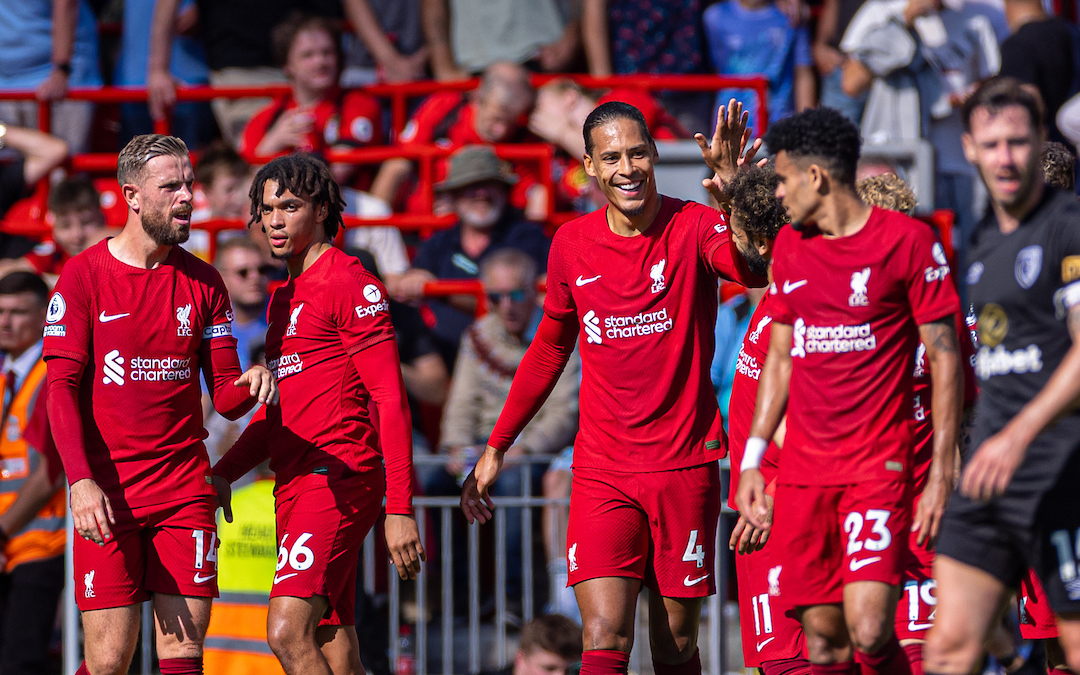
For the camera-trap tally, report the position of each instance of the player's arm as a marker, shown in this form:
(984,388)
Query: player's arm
(248,452)
(536,376)
(726,154)
(34,494)
(768,411)
(379,367)
(90,507)
(947,388)
(993,465)
(235,393)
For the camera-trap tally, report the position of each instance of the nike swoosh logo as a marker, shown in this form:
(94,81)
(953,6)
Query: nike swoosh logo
(105,318)
(856,565)
(690,582)
(912,626)
(763,643)
(790,286)
(283,577)
(581,281)
(200,579)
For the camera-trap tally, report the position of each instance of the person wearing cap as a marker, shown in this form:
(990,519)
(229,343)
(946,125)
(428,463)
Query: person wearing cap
(478,184)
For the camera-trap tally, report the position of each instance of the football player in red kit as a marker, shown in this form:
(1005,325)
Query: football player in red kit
(638,280)
(133,321)
(855,288)
(331,346)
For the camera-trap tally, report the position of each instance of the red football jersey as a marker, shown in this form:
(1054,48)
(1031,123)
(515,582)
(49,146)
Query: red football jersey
(317,322)
(646,308)
(47,258)
(923,392)
(446,119)
(854,304)
(352,118)
(744,388)
(141,335)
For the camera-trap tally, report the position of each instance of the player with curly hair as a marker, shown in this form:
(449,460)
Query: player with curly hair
(1058,165)
(887,191)
(854,288)
(331,346)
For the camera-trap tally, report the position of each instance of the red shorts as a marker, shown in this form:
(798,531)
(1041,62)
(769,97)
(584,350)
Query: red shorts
(835,535)
(167,548)
(321,526)
(1036,618)
(918,599)
(774,633)
(658,527)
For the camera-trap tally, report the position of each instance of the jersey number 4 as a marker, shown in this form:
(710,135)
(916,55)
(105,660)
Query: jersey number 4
(694,552)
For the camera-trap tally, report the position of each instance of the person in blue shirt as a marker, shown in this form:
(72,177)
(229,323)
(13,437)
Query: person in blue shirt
(753,37)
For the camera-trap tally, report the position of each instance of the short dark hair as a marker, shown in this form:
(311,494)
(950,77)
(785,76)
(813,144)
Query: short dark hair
(1001,92)
(553,633)
(753,196)
(17,283)
(132,161)
(284,34)
(73,194)
(219,156)
(306,176)
(609,112)
(821,134)
(1058,165)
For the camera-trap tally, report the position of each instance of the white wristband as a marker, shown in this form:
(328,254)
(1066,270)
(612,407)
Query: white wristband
(752,454)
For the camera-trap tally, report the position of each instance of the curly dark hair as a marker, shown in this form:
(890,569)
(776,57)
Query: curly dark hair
(821,134)
(609,112)
(306,176)
(753,197)
(1058,165)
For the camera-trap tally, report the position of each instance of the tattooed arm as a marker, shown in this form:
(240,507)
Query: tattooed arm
(947,387)
(996,460)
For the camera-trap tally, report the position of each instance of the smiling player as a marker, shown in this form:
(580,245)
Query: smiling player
(638,280)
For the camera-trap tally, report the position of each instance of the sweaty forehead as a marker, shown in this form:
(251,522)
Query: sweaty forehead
(271,196)
(170,167)
(619,133)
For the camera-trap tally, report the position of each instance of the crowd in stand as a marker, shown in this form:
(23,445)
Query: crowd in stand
(899,68)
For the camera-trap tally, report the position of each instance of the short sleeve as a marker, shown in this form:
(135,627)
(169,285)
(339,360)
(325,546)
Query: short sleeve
(68,318)
(361,312)
(360,120)
(717,250)
(930,288)
(217,330)
(558,301)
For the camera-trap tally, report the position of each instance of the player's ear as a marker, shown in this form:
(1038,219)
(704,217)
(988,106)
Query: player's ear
(589,168)
(969,148)
(764,246)
(131,196)
(818,177)
(322,213)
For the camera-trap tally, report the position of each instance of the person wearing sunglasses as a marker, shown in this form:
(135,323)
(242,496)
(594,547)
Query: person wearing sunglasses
(245,272)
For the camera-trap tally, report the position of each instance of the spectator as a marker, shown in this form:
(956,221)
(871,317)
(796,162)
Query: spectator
(479,187)
(30,155)
(32,498)
(317,115)
(390,46)
(49,45)
(245,272)
(467,36)
(921,60)
(549,645)
(494,113)
(77,223)
(1041,54)
(834,19)
(491,350)
(887,191)
(221,184)
(192,121)
(1058,165)
(657,37)
(753,37)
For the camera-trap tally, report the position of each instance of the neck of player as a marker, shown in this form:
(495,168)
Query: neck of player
(1009,217)
(632,225)
(133,246)
(841,214)
(299,263)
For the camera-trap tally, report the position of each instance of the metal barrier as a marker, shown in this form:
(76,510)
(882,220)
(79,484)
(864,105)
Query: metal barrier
(438,640)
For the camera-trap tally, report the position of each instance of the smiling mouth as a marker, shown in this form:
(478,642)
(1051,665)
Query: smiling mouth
(629,188)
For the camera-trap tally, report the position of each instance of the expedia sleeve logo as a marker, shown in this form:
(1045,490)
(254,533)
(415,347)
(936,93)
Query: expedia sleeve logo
(219,330)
